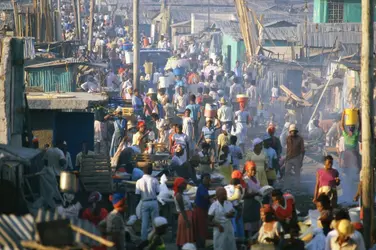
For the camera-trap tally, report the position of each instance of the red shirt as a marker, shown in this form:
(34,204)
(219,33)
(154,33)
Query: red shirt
(95,219)
(286,212)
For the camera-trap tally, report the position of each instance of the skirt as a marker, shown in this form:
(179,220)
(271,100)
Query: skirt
(251,213)
(185,234)
(200,219)
(261,176)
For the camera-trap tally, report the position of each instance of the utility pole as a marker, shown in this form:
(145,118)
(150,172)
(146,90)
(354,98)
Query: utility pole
(91,22)
(366,88)
(306,28)
(136,44)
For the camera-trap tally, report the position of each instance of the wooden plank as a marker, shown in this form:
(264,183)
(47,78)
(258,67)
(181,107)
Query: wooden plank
(295,97)
(99,174)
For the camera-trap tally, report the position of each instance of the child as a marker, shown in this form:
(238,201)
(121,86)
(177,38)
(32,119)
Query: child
(223,138)
(156,241)
(220,214)
(206,161)
(225,164)
(235,153)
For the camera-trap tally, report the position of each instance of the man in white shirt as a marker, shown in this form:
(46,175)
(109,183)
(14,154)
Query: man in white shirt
(162,44)
(235,89)
(55,159)
(253,98)
(148,188)
(112,80)
(225,113)
(85,151)
(90,85)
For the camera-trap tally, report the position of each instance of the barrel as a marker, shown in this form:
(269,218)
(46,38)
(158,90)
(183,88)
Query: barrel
(210,110)
(148,67)
(179,71)
(351,117)
(129,57)
(164,82)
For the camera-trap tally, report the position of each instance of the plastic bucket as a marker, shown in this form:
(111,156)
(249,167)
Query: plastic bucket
(148,67)
(351,117)
(129,57)
(164,82)
(179,71)
(210,110)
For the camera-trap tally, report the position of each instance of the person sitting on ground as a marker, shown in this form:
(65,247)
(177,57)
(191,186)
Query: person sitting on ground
(206,159)
(95,213)
(271,230)
(344,241)
(156,241)
(315,133)
(355,235)
(284,209)
(291,241)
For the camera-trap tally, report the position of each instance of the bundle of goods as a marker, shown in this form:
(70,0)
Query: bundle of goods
(210,110)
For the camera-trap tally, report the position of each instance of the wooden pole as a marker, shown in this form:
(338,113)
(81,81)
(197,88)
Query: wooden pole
(74,5)
(79,26)
(366,91)
(136,44)
(15,18)
(91,23)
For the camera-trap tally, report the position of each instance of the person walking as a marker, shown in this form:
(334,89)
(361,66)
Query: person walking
(220,214)
(225,113)
(148,188)
(184,208)
(195,115)
(294,158)
(202,202)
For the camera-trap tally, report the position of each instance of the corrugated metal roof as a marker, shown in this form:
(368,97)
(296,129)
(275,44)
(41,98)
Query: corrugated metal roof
(200,20)
(325,34)
(281,33)
(230,28)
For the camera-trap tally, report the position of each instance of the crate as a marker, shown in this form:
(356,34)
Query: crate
(127,111)
(96,173)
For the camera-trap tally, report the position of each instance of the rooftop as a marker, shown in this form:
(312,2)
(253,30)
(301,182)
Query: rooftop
(65,101)
(230,28)
(328,35)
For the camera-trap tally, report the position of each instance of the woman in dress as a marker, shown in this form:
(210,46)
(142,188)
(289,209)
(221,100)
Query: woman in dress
(327,180)
(271,230)
(241,125)
(95,213)
(235,193)
(119,132)
(259,157)
(251,210)
(202,202)
(184,208)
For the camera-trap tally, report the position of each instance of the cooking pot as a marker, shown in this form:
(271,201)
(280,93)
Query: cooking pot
(68,182)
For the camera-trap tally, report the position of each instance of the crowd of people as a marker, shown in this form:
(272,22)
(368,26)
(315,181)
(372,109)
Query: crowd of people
(211,121)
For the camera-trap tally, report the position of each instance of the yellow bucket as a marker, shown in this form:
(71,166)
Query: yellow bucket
(351,117)
(148,67)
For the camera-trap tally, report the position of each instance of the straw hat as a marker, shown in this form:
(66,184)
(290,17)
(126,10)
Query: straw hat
(119,110)
(344,227)
(292,127)
(222,100)
(151,91)
(131,125)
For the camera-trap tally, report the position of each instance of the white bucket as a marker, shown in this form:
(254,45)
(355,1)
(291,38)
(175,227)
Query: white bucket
(129,57)
(354,214)
(164,82)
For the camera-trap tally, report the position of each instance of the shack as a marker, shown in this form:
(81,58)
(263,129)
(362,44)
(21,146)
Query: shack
(68,117)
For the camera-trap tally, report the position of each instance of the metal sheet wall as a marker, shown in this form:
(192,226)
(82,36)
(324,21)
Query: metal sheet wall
(51,79)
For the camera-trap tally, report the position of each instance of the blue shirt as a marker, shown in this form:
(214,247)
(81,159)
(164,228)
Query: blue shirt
(195,109)
(137,174)
(137,104)
(202,195)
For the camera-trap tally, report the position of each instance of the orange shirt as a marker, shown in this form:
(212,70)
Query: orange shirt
(286,212)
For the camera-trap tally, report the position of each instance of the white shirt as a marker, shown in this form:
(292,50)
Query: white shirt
(214,95)
(275,92)
(356,236)
(188,126)
(147,187)
(112,80)
(225,113)
(235,89)
(219,212)
(181,102)
(252,94)
(90,87)
(71,211)
(53,156)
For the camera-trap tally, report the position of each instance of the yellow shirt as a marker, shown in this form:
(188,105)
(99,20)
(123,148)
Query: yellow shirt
(223,140)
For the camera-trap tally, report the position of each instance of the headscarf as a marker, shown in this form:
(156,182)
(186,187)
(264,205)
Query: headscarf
(236,174)
(95,197)
(255,142)
(160,221)
(177,183)
(249,165)
(117,199)
(140,124)
(271,129)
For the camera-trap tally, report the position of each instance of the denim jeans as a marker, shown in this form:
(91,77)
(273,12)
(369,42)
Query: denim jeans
(149,210)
